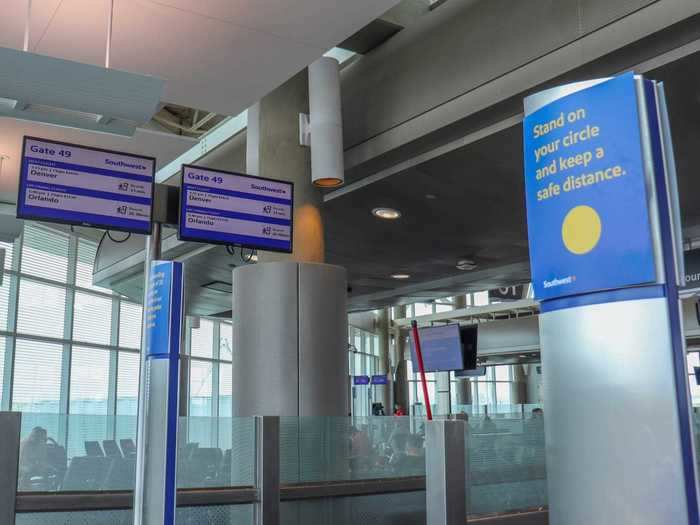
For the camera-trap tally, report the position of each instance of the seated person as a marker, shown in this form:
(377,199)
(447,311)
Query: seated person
(32,458)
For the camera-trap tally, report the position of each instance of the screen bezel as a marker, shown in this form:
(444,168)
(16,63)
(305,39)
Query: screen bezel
(189,238)
(427,369)
(21,190)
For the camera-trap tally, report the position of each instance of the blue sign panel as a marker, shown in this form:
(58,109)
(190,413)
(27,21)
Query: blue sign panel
(221,207)
(360,380)
(74,184)
(588,224)
(441,347)
(164,309)
(380,379)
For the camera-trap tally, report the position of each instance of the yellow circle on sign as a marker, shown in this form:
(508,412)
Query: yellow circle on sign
(581,230)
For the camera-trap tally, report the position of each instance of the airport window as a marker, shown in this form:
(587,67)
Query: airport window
(364,352)
(210,346)
(81,340)
(89,380)
(127,384)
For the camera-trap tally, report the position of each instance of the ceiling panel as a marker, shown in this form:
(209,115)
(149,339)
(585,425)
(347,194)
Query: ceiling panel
(218,55)
(296,20)
(78,31)
(13,19)
(207,63)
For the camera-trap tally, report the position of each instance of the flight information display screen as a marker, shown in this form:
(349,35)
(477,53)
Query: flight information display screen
(441,347)
(73,184)
(222,207)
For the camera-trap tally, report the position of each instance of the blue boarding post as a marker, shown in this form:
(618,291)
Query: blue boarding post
(156,480)
(606,262)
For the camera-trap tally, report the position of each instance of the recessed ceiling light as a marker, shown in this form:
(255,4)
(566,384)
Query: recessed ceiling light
(466,265)
(430,196)
(386,213)
(400,275)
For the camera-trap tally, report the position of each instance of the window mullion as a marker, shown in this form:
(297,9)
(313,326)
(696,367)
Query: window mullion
(68,325)
(8,380)
(113,359)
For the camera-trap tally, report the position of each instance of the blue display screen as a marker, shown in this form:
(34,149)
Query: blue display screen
(222,207)
(73,184)
(588,224)
(441,347)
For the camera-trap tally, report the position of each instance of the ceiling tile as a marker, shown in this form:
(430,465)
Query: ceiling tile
(207,64)
(322,23)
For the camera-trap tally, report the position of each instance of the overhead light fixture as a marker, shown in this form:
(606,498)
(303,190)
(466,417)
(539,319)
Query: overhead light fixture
(322,128)
(400,275)
(72,94)
(466,265)
(386,213)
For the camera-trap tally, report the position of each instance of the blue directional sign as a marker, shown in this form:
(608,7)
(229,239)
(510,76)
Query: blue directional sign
(380,379)
(588,223)
(360,380)
(223,207)
(73,184)
(164,309)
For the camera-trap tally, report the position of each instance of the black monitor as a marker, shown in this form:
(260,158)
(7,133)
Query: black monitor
(476,372)
(469,335)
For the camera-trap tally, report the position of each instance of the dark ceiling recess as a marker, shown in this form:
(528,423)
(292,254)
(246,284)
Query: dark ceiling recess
(475,210)
(371,36)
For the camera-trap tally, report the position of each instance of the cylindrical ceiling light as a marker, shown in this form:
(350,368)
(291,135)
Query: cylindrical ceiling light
(325,123)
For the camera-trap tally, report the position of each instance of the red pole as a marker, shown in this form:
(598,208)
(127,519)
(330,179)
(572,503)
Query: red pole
(421,369)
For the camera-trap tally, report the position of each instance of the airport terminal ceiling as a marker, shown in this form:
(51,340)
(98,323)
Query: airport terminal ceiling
(469,203)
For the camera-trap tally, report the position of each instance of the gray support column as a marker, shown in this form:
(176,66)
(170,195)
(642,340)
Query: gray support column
(518,388)
(463,387)
(273,150)
(10,426)
(152,253)
(443,401)
(401,395)
(445,472)
(267,470)
(383,328)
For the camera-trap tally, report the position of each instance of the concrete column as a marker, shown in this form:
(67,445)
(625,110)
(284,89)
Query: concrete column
(443,401)
(401,395)
(383,321)
(273,151)
(518,388)
(463,389)
(534,384)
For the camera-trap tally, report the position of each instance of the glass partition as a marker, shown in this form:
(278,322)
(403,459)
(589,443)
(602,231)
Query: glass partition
(506,459)
(314,449)
(98,453)
(507,462)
